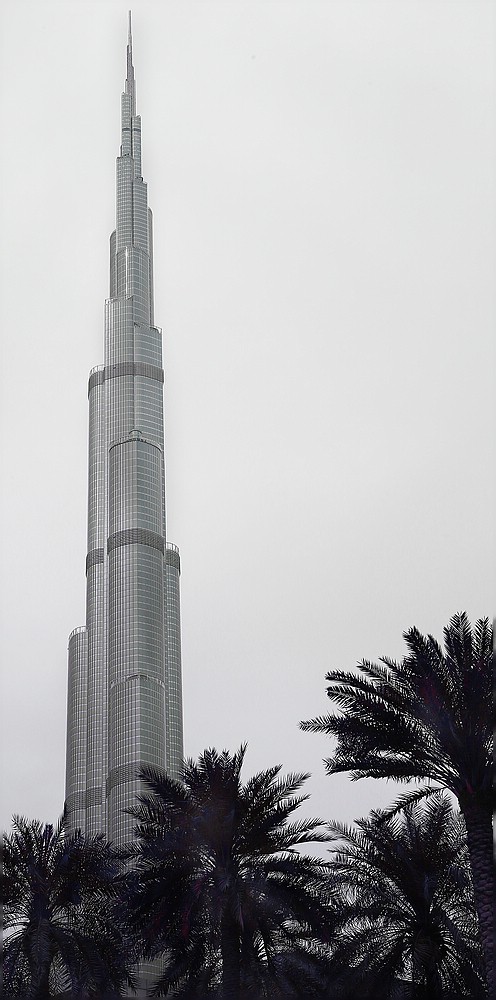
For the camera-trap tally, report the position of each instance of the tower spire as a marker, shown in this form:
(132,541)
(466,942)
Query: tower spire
(130,87)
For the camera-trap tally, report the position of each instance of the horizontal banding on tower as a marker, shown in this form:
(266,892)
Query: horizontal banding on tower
(94,557)
(125,368)
(135,536)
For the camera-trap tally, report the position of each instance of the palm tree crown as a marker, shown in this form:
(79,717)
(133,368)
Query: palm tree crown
(58,904)
(220,887)
(408,924)
(427,717)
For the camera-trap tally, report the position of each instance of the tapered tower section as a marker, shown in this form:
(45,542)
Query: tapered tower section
(125,705)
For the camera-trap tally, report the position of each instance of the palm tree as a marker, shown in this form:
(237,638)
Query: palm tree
(60,915)
(427,717)
(220,889)
(408,925)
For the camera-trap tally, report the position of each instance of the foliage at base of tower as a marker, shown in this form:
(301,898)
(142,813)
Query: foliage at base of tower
(63,932)
(429,716)
(407,923)
(220,887)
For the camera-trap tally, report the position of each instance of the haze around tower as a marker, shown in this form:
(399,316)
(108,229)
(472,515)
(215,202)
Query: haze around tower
(322,183)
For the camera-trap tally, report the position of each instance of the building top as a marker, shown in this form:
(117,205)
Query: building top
(130,82)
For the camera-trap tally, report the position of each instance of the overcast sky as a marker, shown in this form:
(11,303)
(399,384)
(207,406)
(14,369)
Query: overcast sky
(322,181)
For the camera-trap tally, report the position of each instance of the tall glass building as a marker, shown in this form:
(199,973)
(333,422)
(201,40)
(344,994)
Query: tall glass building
(124,691)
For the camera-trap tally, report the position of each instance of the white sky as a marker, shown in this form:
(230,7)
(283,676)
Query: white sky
(322,182)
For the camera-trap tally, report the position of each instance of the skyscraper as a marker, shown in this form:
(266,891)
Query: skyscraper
(124,686)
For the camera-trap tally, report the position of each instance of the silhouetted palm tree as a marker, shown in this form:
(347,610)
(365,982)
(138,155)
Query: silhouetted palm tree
(221,890)
(427,717)
(408,925)
(61,923)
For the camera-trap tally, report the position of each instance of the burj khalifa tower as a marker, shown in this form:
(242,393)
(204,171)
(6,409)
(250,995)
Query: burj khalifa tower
(124,686)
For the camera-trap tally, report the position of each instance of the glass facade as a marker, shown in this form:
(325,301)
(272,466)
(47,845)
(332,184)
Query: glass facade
(124,693)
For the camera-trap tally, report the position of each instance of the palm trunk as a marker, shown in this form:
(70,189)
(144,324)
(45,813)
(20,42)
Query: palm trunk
(40,961)
(42,991)
(478,820)
(422,991)
(231,965)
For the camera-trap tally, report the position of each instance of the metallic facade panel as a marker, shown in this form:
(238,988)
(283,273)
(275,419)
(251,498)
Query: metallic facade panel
(77,710)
